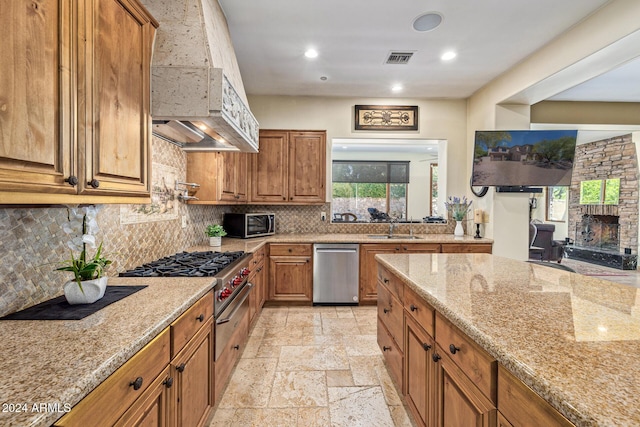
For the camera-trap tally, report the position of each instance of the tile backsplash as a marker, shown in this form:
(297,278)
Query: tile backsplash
(32,241)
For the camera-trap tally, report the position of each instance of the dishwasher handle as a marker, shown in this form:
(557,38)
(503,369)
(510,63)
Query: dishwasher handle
(337,250)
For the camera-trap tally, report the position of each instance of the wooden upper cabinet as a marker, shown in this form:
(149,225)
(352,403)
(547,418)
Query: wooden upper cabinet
(35,97)
(114,80)
(307,165)
(222,177)
(74,102)
(290,167)
(269,168)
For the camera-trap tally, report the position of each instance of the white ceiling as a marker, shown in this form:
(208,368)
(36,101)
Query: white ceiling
(354,37)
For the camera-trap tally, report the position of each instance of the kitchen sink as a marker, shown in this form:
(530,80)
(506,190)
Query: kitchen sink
(395,236)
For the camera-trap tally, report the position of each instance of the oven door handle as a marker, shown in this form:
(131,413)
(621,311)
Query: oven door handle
(248,286)
(269,230)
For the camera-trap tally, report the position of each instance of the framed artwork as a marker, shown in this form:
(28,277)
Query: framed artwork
(386,117)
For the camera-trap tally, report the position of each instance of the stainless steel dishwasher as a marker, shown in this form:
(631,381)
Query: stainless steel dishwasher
(335,273)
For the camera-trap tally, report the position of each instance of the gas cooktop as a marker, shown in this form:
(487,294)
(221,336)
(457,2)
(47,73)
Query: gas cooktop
(186,264)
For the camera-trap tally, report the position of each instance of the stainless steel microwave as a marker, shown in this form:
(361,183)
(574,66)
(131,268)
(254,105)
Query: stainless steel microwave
(246,225)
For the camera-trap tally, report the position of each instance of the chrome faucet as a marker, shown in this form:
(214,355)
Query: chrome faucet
(411,227)
(392,226)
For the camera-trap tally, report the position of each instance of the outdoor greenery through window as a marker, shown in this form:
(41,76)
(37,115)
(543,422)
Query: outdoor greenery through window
(600,192)
(360,185)
(557,203)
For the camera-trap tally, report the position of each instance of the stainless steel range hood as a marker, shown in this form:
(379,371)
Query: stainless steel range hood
(197,95)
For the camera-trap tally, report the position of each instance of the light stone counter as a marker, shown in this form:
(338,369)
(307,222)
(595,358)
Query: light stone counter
(250,245)
(58,362)
(573,339)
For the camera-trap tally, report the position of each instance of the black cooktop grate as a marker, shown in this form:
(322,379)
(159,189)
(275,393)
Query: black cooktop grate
(186,264)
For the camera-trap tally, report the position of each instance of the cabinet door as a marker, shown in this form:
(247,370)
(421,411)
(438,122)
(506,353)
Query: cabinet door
(269,168)
(227,173)
(113,80)
(307,152)
(419,379)
(203,169)
(290,278)
(460,402)
(193,371)
(152,408)
(369,269)
(242,177)
(35,97)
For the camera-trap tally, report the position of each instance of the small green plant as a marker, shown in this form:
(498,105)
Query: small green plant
(215,231)
(83,267)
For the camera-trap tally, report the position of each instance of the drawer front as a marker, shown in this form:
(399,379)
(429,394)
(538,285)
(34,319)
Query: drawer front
(258,256)
(522,406)
(392,354)
(116,394)
(229,355)
(419,310)
(188,324)
(395,286)
(286,249)
(476,363)
(390,311)
(457,248)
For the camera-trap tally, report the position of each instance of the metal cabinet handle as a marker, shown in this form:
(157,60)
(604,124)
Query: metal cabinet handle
(435,357)
(137,383)
(386,310)
(426,346)
(200,318)
(236,347)
(168,382)
(94,183)
(180,367)
(385,280)
(386,348)
(453,349)
(72,180)
(413,307)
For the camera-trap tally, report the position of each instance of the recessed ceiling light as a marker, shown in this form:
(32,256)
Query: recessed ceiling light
(396,88)
(311,53)
(323,78)
(427,21)
(448,56)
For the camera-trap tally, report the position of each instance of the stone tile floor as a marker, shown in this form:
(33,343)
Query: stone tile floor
(312,366)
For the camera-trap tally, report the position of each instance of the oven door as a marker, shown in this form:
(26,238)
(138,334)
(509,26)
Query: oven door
(231,318)
(259,225)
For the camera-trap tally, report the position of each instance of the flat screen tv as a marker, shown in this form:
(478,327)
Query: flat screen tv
(523,158)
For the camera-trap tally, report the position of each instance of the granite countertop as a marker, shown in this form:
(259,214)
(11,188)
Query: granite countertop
(58,362)
(251,245)
(573,339)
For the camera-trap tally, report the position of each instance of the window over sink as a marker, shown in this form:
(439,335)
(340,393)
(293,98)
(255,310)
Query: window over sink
(379,179)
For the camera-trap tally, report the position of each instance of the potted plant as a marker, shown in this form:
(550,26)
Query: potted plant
(89,282)
(458,209)
(215,233)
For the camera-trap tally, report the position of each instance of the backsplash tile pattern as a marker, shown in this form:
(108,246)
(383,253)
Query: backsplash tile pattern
(32,241)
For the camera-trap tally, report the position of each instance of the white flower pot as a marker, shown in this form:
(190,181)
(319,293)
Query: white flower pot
(92,291)
(215,241)
(459,231)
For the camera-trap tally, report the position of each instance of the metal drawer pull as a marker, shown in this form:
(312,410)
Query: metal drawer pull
(168,382)
(426,346)
(236,347)
(180,367)
(453,349)
(413,307)
(436,357)
(200,318)
(386,348)
(136,384)
(386,310)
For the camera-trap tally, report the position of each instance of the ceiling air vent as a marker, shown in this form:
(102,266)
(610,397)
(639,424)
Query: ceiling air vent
(398,57)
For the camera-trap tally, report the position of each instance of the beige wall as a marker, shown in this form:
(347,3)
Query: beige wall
(568,60)
(438,119)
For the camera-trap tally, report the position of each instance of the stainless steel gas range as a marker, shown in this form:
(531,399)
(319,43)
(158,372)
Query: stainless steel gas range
(230,270)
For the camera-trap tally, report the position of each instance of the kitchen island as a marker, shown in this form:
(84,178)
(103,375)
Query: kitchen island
(572,339)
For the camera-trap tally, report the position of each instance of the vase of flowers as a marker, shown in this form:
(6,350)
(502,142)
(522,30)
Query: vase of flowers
(89,282)
(215,233)
(458,209)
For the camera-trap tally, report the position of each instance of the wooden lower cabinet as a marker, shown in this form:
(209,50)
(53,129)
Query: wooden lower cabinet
(459,403)
(193,372)
(419,373)
(290,272)
(151,409)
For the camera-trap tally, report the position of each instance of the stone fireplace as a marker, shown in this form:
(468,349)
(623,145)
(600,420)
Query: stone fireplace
(603,234)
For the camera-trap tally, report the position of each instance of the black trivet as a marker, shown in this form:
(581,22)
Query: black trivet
(59,309)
